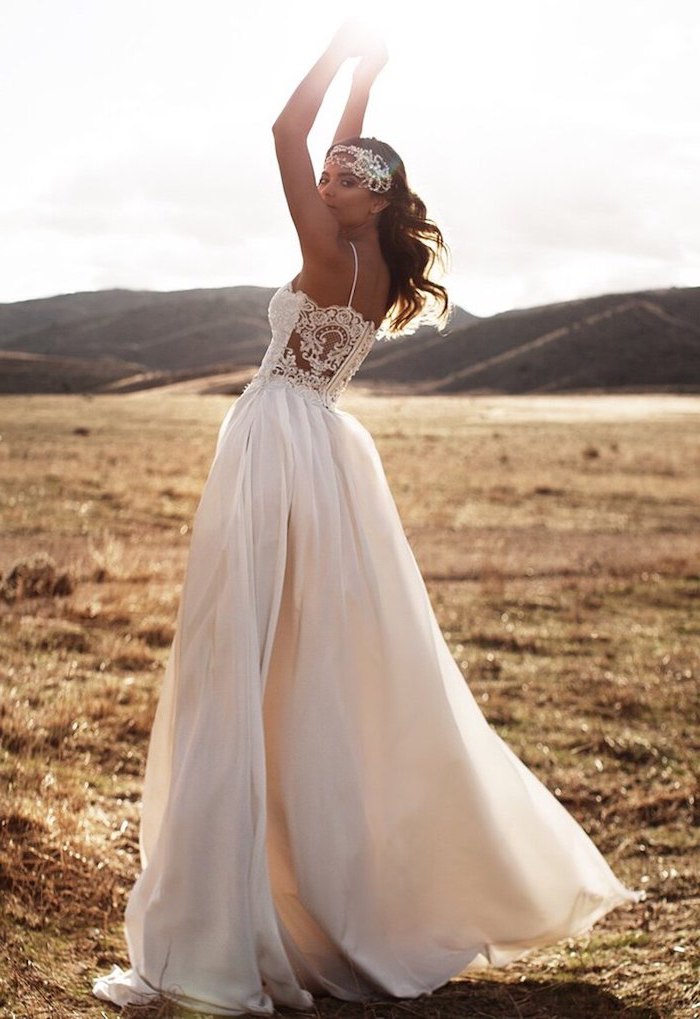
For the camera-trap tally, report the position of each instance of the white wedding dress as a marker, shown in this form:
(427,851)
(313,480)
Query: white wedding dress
(325,808)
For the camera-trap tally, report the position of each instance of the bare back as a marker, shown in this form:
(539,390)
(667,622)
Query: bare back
(330,284)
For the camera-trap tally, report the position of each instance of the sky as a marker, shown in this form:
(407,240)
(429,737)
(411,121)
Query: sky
(555,142)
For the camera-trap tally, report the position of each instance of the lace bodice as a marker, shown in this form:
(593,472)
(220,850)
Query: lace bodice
(314,349)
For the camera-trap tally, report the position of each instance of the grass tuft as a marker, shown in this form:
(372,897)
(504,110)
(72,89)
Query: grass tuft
(35,577)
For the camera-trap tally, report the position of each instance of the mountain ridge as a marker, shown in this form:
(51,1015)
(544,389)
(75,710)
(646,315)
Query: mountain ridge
(119,340)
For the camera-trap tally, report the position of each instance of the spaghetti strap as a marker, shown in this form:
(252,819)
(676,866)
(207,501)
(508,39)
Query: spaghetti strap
(354,282)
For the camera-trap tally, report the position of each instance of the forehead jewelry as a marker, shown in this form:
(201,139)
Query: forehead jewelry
(371,170)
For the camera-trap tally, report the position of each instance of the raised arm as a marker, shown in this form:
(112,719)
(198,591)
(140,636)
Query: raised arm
(350,125)
(315,225)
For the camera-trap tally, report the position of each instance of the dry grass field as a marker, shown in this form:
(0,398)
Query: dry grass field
(560,541)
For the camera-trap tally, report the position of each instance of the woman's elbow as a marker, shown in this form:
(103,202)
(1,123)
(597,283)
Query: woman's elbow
(289,128)
(282,127)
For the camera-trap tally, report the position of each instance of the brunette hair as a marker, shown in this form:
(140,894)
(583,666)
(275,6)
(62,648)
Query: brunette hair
(411,245)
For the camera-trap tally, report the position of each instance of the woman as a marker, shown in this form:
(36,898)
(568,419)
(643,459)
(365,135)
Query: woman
(325,808)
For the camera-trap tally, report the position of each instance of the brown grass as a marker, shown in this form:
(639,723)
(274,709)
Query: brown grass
(566,582)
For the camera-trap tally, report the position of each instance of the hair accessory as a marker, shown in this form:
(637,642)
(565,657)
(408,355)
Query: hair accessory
(373,172)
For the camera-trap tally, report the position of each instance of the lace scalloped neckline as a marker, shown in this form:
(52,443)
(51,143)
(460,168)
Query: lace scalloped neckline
(331,307)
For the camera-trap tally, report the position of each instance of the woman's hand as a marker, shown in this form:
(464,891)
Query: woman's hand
(355,38)
(371,63)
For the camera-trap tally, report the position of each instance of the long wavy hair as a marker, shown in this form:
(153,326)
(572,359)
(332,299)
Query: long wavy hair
(412,246)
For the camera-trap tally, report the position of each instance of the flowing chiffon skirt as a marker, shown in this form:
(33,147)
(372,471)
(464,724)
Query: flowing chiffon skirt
(326,809)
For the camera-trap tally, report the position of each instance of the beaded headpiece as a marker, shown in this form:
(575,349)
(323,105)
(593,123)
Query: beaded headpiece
(373,172)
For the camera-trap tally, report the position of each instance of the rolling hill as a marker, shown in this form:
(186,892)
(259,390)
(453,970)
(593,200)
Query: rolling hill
(616,342)
(211,341)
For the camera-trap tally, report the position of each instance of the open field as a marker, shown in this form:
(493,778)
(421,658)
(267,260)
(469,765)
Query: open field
(560,541)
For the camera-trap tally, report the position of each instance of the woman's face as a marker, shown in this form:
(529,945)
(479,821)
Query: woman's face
(351,204)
